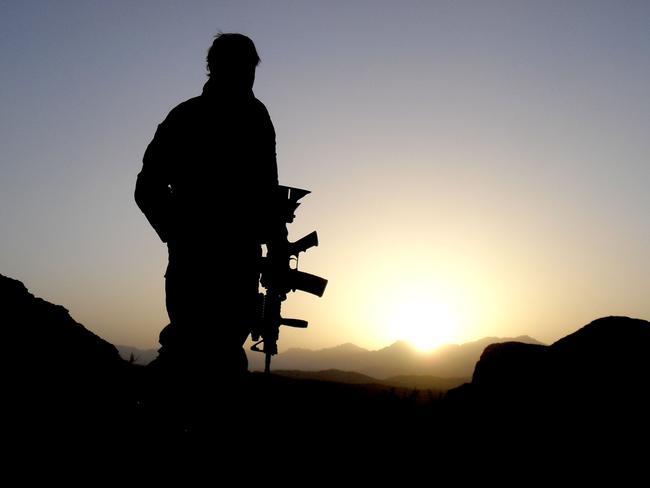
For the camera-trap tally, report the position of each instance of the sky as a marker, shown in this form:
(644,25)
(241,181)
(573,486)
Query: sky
(477,168)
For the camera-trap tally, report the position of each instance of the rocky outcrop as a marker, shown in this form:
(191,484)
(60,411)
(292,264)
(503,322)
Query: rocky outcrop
(62,380)
(603,367)
(510,365)
(43,336)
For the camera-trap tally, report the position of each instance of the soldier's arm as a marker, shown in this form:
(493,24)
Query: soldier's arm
(273,218)
(273,225)
(152,191)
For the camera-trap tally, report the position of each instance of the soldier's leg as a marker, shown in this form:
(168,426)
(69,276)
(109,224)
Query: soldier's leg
(227,331)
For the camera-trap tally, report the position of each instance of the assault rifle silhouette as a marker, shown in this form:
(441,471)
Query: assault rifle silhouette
(280,275)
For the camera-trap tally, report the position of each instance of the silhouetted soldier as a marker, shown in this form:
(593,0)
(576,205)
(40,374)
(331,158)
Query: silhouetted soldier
(206,187)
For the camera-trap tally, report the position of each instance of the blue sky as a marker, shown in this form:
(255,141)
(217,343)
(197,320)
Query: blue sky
(488,156)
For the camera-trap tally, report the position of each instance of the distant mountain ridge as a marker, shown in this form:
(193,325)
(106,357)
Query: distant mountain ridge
(398,359)
(449,361)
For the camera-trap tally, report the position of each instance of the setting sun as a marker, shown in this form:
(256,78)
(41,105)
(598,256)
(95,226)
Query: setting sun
(423,323)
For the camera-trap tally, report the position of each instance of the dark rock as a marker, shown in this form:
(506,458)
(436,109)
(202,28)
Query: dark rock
(43,336)
(510,366)
(600,371)
(62,379)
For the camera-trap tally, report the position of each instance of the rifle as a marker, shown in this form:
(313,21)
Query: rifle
(279,278)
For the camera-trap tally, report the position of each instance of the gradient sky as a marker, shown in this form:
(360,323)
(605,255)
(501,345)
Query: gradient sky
(478,166)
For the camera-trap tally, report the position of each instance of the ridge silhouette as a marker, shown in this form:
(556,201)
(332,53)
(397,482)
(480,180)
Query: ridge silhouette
(451,360)
(588,387)
(62,378)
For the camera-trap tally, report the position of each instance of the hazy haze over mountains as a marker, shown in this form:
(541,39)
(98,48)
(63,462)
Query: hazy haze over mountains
(448,361)
(400,358)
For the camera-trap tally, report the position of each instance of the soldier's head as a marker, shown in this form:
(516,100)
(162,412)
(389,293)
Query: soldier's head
(232,60)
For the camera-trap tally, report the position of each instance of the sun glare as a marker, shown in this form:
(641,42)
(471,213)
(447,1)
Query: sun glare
(423,323)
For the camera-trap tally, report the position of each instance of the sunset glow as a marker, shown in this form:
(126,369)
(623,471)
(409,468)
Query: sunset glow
(423,323)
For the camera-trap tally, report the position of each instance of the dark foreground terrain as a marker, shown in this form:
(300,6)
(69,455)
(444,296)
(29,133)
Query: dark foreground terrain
(587,391)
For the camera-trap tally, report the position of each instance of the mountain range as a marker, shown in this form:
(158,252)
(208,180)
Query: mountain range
(590,388)
(398,359)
